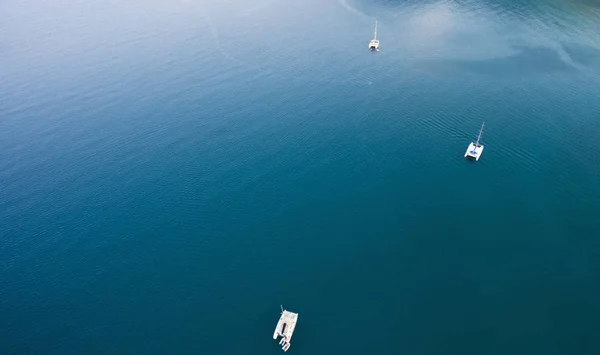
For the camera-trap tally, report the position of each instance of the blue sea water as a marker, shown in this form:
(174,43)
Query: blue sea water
(173,171)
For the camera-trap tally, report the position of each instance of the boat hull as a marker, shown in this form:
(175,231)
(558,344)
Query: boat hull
(285,328)
(374,45)
(474,151)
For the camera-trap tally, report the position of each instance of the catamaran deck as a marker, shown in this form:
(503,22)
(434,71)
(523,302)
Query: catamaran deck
(374,45)
(285,328)
(474,151)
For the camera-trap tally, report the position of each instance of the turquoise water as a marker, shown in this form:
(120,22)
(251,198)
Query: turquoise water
(173,171)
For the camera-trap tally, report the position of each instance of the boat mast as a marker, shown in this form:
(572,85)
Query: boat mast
(375,34)
(281,308)
(479,136)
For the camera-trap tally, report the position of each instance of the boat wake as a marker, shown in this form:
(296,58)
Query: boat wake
(345,5)
(215,34)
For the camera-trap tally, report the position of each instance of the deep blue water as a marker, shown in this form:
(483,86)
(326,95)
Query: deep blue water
(173,171)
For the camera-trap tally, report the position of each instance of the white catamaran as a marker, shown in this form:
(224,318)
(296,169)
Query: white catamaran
(374,44)
(475,149)
(285,328)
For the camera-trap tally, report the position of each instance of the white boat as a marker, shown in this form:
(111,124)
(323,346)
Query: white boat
(285,328)
(374,44)
(475,148)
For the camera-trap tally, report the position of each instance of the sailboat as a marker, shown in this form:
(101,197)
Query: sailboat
(475,148)
(285,328)
(374,44)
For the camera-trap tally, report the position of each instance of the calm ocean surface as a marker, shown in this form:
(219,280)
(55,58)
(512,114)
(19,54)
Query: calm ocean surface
(173,171)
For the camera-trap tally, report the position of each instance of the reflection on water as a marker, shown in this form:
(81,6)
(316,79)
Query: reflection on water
(525,62)
(494,37)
